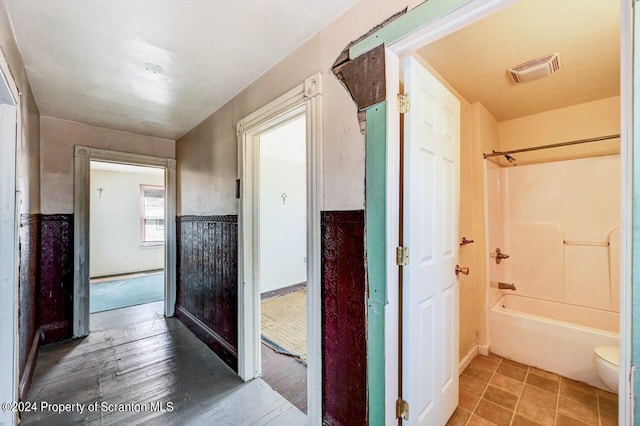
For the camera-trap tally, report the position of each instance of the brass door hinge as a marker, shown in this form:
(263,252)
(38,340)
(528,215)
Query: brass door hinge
(404,103)
(402,256)
(402,409)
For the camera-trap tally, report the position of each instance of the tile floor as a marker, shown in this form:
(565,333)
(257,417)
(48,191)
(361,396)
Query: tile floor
(498,391)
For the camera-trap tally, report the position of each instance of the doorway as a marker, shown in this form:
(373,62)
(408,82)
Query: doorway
(279,193)
(281,219)
(439,29)
(9,202)
(81,236)
(126,235)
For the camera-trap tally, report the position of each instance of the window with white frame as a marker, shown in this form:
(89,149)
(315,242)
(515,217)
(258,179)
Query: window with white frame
(152,214)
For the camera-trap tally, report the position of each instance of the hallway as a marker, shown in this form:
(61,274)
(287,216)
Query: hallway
(136,356)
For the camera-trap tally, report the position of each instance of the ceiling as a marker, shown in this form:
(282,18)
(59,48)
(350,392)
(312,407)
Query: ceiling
(155,67)
(586,33)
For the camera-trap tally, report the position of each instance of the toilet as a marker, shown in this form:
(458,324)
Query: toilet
(607,362)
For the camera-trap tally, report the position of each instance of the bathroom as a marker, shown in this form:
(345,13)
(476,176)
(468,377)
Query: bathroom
(554,244)
(541,199)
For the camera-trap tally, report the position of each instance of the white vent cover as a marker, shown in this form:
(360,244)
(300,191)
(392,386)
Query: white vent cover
(536,68)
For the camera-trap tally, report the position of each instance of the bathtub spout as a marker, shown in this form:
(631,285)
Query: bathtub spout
(506,286)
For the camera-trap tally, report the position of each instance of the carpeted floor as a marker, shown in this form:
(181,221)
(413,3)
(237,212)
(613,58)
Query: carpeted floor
(284,323)
(130,290)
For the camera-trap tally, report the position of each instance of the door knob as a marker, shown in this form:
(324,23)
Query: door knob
(462,270)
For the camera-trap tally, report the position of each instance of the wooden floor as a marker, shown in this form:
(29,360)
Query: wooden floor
(136,356)
(286,376)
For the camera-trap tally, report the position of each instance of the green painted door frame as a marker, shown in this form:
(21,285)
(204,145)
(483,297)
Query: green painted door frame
(376,246)
(376,200)
(375,205)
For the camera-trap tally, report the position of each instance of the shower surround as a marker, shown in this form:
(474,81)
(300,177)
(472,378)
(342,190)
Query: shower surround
(559,222)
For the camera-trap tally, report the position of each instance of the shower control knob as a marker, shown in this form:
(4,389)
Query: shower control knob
(462,270)
(499,255)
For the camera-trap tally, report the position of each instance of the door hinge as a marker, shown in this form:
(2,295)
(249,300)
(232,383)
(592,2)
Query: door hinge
(404,103)
(402,256)
(238,189)
(402,409)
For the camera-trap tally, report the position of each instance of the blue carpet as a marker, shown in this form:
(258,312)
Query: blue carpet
(123,292)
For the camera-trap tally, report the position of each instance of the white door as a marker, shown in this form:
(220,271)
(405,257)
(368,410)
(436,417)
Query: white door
(430,295)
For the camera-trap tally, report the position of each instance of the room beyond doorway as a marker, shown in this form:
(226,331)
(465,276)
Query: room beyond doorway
(281,219)
(127,206)
(81,233)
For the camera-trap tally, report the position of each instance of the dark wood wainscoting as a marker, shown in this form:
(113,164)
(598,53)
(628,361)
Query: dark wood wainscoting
(207,288)
(56,277)
(344,319)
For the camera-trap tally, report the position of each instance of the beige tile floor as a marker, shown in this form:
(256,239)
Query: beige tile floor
(498,391)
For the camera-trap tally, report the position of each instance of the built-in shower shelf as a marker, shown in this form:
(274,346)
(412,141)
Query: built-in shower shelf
(586,243)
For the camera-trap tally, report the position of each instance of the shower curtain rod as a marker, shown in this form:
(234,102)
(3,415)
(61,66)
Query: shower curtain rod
(553,145)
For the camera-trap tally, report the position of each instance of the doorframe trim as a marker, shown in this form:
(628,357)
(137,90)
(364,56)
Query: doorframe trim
(308,96)
(9,264)
(83,156)
(626,383)
(431,21)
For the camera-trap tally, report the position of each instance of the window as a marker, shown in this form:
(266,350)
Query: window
(152,214)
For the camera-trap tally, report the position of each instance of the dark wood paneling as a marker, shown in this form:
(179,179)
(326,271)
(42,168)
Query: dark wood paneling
(56,277)
(344,348)
(364,77)
(207,287)
(29,234)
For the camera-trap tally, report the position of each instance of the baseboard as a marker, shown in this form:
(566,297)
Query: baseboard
(27,375)
(483,350)
(466,360)
(213,340)
(56,332)
(283,291)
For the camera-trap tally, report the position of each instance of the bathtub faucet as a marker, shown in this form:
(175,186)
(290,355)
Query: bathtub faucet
(506,286)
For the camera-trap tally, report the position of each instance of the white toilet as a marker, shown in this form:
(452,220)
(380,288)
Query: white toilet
(607,362)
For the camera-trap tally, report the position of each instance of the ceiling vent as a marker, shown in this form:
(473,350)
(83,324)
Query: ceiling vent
(536,68)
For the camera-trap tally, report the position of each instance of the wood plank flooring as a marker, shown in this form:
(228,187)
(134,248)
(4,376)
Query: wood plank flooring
(286,376)
(136,356)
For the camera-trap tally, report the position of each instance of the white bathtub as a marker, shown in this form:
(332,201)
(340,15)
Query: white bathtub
(551,336)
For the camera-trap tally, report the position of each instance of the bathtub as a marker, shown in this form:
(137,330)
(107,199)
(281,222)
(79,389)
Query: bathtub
(552,336)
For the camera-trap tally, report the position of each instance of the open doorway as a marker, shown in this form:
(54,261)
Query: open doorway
(280,192)
(127,205)
(543,238)
(282,223)
(82,222)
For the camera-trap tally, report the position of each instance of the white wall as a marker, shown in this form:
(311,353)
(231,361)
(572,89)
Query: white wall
(549,203)
(283,236)
(115,223)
